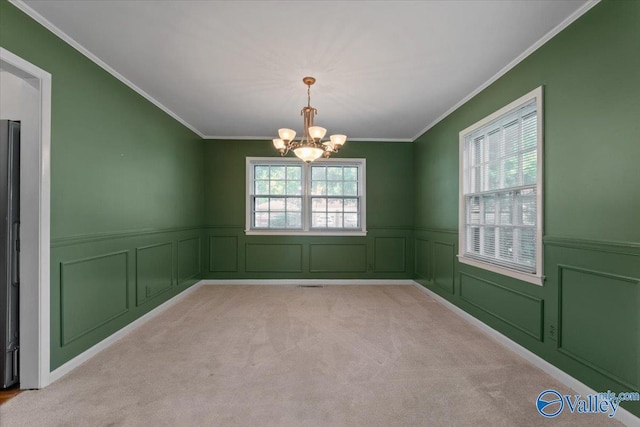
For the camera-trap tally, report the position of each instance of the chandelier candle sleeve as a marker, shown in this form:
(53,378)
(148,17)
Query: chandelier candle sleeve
(310,147)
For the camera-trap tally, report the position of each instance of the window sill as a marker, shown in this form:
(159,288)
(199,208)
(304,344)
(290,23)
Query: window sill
(525,277)
(304,233)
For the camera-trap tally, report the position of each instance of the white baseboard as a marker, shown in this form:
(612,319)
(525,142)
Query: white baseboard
(272,282)
(111,339)
(622,415)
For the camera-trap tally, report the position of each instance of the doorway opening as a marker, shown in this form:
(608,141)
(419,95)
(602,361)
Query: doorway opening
(25,95)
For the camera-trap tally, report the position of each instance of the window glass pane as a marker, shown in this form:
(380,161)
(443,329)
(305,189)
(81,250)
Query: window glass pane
(318,188)
(510,172)
(262,187)
(277,188)
(351,220)
(489,209)
(318,204)
(294,173)
(350,188)
(261,220)
(261,204)
(277,220)
(474,240)
(506,208)
(529,167)
(351,205)
(474,210)
(334,205)
(527,252)
(334,188)
(318,173)
(277,172)
(276,204)
(334,173)
(261,172)
(294,188)
(506,243)
(334,220)
(350,173)
(318,220)
(294,220)
(489,248)
(294,205)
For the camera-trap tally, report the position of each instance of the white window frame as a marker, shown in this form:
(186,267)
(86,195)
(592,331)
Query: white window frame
(306,229)
(536,278)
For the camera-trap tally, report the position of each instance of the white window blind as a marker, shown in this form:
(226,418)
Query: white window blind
(500,186)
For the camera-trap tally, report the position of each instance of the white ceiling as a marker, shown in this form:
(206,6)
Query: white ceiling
(386,70)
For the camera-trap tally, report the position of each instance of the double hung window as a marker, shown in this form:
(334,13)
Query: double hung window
(501,191)
(287,196)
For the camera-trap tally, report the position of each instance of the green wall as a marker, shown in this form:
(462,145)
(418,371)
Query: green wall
(386,251)
(127,197)
(585,319)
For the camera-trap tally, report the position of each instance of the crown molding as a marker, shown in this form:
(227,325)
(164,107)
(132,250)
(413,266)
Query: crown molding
(269,138)
(553,32)
(77,46)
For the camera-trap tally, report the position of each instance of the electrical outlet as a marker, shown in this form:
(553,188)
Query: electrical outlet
(553,333)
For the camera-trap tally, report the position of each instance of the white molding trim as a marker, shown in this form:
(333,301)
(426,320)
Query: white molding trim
(289,282)
(553,32)
(77,46)
(35,233)
(622,415)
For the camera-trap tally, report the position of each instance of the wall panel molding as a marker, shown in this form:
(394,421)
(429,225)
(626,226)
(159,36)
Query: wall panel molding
(223,253)
(444,260)
(583,312)
(505,304)
(390,254)
(93,292)
(623,248)
(154,270)
(193,259)
(273,257)
(337,258)
(96,237)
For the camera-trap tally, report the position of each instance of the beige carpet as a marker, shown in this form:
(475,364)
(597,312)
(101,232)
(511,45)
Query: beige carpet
(291,356)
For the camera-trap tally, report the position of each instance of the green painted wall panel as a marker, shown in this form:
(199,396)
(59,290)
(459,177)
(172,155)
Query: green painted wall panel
(332,258)
(223,253)
(154,270)
(390,254)
(93,291)
(514,308)
(264,257)
(443,265)
(596,304)
(423,259)
(189,259)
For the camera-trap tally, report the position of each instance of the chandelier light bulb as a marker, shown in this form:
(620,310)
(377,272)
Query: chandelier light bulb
(279,144)
(338,140)
(317,132)
(308,154)
(287,135)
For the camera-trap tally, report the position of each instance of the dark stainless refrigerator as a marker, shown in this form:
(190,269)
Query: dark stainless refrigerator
(9,251)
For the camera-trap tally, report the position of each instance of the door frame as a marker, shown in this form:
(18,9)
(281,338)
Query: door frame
(35,226)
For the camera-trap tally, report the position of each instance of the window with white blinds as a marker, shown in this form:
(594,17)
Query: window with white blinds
(287,196)
(500,194)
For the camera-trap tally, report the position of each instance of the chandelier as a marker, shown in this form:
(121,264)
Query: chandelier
(310,147)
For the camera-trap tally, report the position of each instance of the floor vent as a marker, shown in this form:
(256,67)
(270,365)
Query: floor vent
(311,286)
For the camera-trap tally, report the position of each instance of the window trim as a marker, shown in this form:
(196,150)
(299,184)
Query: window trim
(306,197)
(536,278)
